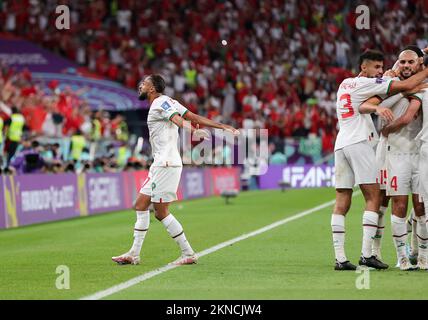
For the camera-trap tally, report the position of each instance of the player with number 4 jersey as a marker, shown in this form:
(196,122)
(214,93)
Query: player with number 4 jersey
(355,161)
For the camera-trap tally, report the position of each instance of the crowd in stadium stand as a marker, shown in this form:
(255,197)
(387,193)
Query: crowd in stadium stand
(254,64)
(33,123)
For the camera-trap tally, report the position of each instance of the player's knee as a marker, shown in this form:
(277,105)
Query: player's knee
(140,206)
(160,214)
(399,207)
(419,209)
(342,207)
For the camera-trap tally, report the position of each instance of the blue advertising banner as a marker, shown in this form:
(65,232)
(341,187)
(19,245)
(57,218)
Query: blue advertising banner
(105,192)
(22,54)
(193,182)
(100,94)
(46,66)
(304,176)
(35,198)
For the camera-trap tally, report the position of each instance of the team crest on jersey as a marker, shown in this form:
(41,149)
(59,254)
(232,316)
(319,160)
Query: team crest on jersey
(380,80)
(165,106)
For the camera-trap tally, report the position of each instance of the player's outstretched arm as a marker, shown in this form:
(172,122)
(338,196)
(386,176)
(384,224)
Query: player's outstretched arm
(403,120)
(180,122)
(200,120)
(408,84)
(376,100)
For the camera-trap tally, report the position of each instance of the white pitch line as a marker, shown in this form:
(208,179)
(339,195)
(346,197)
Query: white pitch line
(124,285)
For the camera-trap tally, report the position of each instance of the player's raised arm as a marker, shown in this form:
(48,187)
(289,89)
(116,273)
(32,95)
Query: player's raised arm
(403,120)
(200,120)
(408,84)
(372,106)
(378,106)
(180,122)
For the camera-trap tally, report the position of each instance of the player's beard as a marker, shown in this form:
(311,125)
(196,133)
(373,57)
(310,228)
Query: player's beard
(142,96)
(405,74)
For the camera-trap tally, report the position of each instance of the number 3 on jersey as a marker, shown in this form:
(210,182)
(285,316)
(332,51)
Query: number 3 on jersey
(347,105)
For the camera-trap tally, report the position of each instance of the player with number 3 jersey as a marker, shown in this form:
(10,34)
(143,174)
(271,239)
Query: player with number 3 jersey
(355,160)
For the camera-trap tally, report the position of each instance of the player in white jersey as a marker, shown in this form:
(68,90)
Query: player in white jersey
(382,176)
(403,167)
(355,161)
(165,116)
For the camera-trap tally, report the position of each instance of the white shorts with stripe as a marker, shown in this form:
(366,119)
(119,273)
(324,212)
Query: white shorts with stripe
(381,163)
(354,165)
(162,184)
(403,173)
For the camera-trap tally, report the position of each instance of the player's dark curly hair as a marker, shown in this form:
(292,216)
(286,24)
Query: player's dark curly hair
(372,55)
(158,82)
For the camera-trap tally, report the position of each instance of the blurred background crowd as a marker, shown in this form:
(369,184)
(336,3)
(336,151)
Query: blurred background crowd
(252,64)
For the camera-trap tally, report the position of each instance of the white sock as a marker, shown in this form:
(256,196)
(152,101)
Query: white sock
(140,230)
(422,235)
(399,234)
(338,230)
(377,242)
(176,231)
(370,221)
(414,239)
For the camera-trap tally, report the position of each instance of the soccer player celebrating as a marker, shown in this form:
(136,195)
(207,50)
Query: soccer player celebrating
(402,160)
(165,116)
(355,161)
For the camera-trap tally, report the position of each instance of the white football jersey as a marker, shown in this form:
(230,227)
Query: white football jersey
(163,133)
(404,139)
(423,134)
(383,144)
(355,127)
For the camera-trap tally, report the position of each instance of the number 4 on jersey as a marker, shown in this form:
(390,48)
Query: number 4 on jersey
(347,105)
(394,183)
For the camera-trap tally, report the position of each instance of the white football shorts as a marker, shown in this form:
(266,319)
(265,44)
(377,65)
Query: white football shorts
(403,173)
(354,165)
(162,184)
(423,173)
(381,165)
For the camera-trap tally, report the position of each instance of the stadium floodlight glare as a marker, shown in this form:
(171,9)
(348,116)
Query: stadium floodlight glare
(227,194)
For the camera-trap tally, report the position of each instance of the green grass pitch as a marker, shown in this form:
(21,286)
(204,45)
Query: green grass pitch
(292,261)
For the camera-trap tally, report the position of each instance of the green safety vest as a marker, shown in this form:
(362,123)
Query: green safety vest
(16,126)
(1,130)
(122,155)
(122,133)
(190,75)
(96,129)
(78,143)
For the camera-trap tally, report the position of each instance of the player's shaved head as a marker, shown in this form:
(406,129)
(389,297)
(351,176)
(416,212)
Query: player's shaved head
(409,63)
(415,49)
(408,53)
